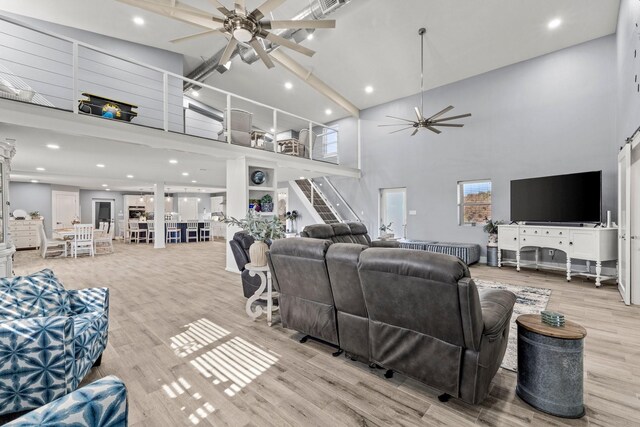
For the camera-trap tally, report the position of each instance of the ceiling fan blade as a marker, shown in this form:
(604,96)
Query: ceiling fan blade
(240,7)
(395,124)
(461,116)
(432,129)
(261,53)
(400,130)
(400,118)
(194,10)
(329,23)
(193,36)
(265,8)
(418,113)
(226,55)
(438,114)
(286,43)
(415,131)
(189,17)
(220,7)
(451,125)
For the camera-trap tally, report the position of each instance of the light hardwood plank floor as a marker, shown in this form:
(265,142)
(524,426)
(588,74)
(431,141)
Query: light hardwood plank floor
(189,355)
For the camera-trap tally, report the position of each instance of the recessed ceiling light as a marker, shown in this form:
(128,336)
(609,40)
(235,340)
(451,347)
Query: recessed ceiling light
(195,93)
(138,20)
(185,173)
(193,181)
(310,36)
(108,189)
(272,130)
(105,185)
(302,177)
(173,161)
(129,176)
(151,199)
(554,23)
(35,181)
(368,89)
(328,111)
(53,146)
(288,85)
(40,169)
(100,165)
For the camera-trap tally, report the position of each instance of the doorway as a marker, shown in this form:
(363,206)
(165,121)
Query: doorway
(102,210)
(65,208)
(393,210)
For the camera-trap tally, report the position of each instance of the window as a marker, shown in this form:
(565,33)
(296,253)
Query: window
(393,209)
(474,202)
(330,142)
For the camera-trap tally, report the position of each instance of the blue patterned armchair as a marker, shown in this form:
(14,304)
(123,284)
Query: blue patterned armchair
(102,403)
(49,338)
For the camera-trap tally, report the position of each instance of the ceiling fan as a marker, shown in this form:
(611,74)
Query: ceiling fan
(426,122)
(240,26)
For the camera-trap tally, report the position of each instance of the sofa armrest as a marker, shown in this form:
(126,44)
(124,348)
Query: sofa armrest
(385,244)
(38,352)
(497,307)
(89,299)
(100,404)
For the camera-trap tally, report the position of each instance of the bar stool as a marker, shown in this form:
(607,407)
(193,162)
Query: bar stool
(173,232)
(192,230)
(151,231)
(136,233)
(205,231)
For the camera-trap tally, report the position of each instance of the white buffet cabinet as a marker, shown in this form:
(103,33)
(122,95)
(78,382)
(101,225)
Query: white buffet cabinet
(24,233)
(590,244)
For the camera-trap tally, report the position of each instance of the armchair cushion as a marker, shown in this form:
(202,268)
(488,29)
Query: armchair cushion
(39,294)
(497,307)
(102,403)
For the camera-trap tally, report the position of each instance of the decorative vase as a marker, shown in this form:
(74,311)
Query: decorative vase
(289,227)
(258,253)
(493,240)
(267,206)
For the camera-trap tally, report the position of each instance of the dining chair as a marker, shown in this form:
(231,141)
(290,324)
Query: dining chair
(46,244)
(136,233)
(104,240)
(173,232)
(192,230)
(205,231)
(82,239)
(151,231)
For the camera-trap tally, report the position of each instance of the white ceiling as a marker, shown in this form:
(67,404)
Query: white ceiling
(375,43)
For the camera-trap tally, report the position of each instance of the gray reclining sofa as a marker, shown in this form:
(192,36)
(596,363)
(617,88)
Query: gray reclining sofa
(413,312)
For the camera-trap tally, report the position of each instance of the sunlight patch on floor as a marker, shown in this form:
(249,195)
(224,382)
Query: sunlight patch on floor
(178,388)
(234,364)
(199,334)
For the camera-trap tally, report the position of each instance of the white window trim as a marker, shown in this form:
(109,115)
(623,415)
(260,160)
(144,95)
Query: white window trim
(461,204)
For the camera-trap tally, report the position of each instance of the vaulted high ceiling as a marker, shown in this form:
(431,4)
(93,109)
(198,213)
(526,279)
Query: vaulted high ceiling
(375,42)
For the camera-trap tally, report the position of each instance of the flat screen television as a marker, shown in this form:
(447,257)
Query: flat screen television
(576,197)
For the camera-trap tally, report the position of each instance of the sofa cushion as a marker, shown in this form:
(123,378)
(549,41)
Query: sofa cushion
(318,231)
(38,294)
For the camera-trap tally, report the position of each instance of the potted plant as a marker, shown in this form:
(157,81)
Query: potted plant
(386,232)
(34,215)
(491,227)
(266,203)
(260,228)
(291,218)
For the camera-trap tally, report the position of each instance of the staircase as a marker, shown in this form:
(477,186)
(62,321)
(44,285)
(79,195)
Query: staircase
(318,202)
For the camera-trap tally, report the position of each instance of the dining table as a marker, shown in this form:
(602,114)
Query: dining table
(68,233)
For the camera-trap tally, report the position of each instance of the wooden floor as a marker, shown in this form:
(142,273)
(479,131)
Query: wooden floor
(182,343)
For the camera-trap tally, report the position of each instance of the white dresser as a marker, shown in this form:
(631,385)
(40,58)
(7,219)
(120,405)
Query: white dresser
(24,233)
(589,244)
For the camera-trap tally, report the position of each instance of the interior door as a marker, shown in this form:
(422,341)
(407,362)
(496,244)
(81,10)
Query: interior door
(65,207)
(103,211)
(624,223)
(634,214)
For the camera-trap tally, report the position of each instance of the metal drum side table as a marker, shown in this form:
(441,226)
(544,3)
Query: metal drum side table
(550,366)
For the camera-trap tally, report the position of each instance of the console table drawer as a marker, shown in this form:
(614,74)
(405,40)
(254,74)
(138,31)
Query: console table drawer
(546,242)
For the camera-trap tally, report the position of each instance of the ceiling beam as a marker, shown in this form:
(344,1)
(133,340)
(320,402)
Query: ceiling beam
(308,77)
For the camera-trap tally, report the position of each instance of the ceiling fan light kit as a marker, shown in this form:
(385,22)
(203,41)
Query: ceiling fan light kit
(432,122)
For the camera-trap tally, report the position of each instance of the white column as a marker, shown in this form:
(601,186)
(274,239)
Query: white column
(236,202)
(158,208)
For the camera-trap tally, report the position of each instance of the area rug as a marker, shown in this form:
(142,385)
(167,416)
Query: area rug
(528,301)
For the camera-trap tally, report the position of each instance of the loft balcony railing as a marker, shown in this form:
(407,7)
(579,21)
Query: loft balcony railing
(44,68)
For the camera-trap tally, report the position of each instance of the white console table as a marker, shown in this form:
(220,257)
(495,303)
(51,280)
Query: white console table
(589,244)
